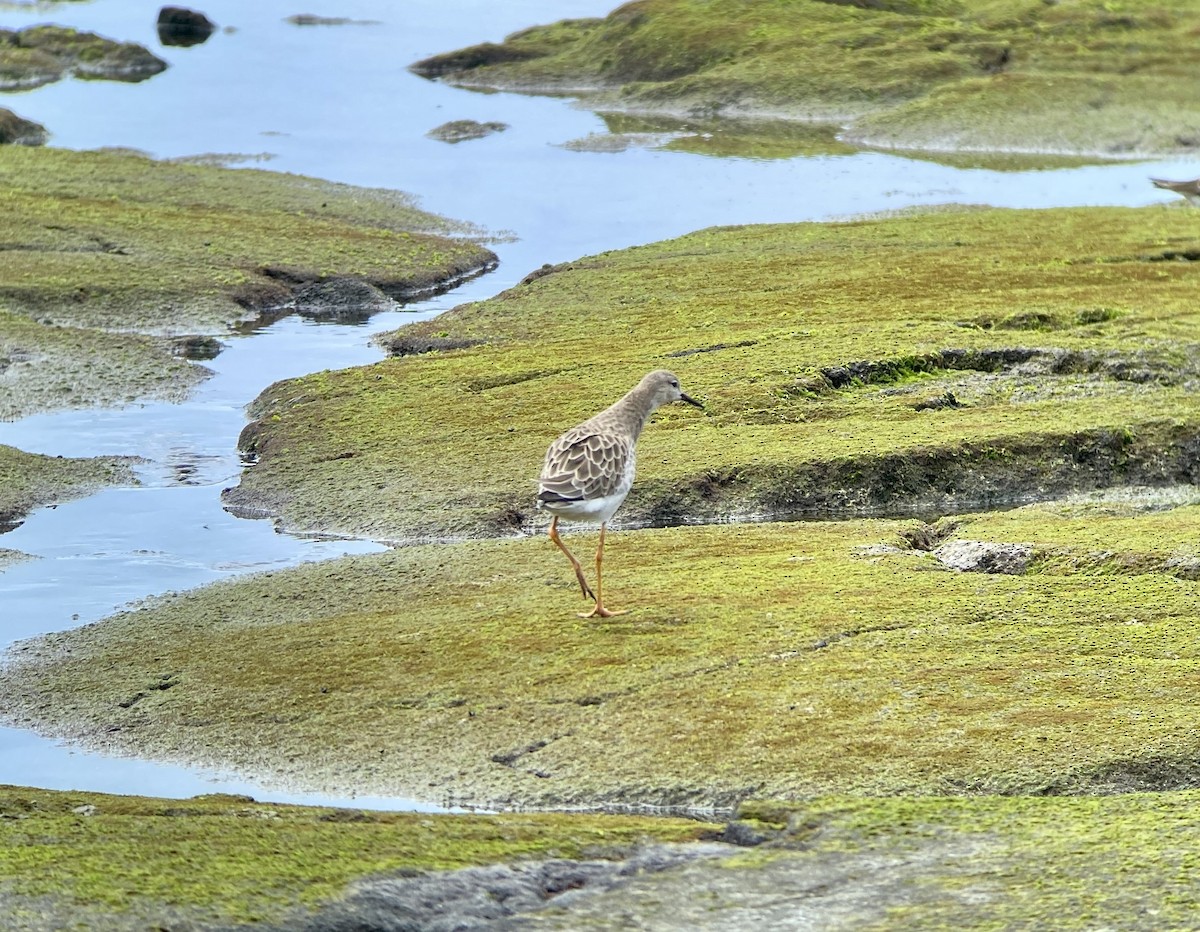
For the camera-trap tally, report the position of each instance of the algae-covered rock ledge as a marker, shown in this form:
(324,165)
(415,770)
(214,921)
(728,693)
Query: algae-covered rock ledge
(945,361)
(1012,75)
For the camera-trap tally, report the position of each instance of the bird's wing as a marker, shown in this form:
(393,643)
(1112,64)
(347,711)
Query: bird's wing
(582,464)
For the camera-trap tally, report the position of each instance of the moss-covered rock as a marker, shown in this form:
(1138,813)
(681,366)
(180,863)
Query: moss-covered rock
(38,55)
(116,241)
(17,131)
(1019,75)
(30,479)
(952,360)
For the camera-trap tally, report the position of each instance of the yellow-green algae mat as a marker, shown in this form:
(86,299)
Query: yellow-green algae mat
(1091,76)
(794,659)
(952,360)
(107,251)
(789,659)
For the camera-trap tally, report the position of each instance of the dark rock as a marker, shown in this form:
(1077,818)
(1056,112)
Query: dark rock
(415,346)
(342,300)
(938,403)
(745,833)
(17,131)
(180,26)
(475,56)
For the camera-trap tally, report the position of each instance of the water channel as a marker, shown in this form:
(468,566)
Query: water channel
(336,102)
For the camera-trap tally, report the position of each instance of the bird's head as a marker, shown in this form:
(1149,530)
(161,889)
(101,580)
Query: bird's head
(664,388)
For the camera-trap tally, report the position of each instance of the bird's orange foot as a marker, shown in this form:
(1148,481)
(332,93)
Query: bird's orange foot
(601,612)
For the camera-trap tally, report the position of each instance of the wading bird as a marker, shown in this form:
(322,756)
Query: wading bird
(588,470)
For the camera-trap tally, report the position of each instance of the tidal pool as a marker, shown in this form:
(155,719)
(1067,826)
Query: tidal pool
(336,102)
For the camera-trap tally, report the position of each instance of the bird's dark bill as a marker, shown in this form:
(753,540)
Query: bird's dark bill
(690,400)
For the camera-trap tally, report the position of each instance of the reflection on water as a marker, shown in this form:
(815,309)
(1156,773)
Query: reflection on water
(335,101)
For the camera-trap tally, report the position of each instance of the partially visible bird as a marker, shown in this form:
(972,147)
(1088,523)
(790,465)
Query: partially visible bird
(1189,189)
(588,470)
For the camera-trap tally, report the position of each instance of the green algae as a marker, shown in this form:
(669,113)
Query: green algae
(105,252)
(112,861)
(12,557)
(120,242)
(788,660)
(755,139)
(824,353)
(1087,77)
(28,480)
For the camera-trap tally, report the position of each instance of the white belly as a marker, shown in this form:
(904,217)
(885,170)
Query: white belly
(600,508)
(592,509)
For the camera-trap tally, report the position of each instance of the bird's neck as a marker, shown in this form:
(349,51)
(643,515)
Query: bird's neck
(631,412)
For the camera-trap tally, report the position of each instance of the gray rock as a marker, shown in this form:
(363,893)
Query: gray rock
(978,556)
(344,300)
(480,897)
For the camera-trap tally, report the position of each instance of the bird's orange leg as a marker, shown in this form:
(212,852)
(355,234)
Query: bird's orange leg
(584,587)
(599,611)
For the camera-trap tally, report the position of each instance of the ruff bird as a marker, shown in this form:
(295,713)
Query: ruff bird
(588,470)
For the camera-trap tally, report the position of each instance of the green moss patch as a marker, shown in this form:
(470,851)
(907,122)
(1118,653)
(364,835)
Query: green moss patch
(953,361)
(121,242)
(104,252)
(1020,75)
(993,864)
(786,659)
(105,861)
(28,479)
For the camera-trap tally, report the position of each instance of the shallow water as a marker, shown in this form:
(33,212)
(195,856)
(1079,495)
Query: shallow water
(336,102)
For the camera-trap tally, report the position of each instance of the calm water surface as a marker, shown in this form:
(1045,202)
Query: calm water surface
(336,102)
